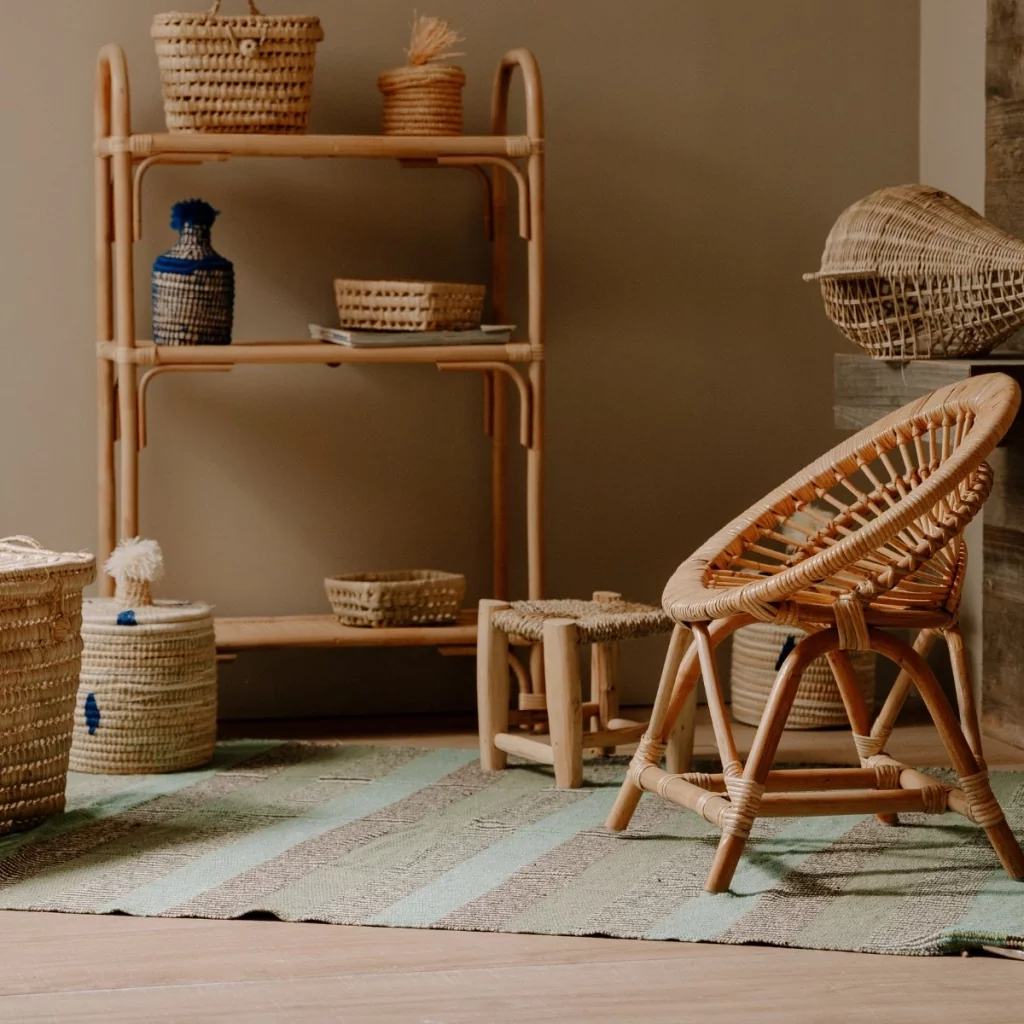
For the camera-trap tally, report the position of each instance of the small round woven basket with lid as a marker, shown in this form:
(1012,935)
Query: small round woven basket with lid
(758,651)
(147,699)
(40,655)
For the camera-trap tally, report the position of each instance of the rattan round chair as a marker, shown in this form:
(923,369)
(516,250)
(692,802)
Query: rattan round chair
(870,536)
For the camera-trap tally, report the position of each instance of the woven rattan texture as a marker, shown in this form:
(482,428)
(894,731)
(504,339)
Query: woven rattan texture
(236,74)
(756,653)
(40,655)
(400,598)
(409,305)
(147,701)
(596,621)
(911,273)
(423,100)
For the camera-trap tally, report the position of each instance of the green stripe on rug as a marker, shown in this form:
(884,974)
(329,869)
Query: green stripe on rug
(491,867)
(762,867)
(211,870)
(138,790)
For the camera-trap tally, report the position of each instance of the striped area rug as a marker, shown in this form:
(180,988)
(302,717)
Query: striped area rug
(405,837)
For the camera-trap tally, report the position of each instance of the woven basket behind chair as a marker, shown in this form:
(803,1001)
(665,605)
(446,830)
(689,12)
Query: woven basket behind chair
(756,654)
(40,654)
(252,73)
(909,272)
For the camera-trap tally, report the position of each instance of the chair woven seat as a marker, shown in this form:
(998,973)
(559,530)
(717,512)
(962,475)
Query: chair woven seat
(596,621)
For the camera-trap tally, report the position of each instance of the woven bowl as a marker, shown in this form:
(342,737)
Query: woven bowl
(411,597)
(409,305)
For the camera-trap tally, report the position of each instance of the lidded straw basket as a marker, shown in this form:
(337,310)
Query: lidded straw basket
(758,651)
(40,655)
(251,73)
(147,701)
(909,272)
(425,97)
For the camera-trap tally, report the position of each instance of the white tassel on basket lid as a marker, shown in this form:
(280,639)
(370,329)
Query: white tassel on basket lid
(135,564)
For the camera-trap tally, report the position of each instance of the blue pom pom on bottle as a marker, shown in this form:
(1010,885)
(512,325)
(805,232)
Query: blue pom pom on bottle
(193,285)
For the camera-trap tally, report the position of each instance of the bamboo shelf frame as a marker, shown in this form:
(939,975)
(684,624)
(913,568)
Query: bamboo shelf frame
(127,366)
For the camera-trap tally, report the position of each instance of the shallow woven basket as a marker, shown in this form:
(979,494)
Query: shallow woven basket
(423,100)
(251,73)
(414,597)
(147,699)
(911,273)
(757,651)
(40,654)
(409,305)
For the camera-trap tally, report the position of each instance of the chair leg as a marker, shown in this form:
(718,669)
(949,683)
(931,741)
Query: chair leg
(964,691)
(972,775)
(630,793)
(492,685)
(565,713)
(745,793)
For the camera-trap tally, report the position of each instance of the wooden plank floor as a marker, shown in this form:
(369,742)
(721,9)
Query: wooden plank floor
(116,969)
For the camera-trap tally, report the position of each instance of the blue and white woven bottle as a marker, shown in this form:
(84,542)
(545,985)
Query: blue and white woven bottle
(193,285)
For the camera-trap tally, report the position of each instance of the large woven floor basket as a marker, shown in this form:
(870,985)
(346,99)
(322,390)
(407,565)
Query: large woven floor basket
(757,654)
(911,273)
(40,654)
(251,73)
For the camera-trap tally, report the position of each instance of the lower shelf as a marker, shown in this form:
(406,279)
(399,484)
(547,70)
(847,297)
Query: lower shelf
(239,634)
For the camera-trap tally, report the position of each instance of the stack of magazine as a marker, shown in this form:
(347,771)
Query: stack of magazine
(487,334)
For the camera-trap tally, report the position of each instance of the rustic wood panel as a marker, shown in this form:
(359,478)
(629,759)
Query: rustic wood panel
(1004,115)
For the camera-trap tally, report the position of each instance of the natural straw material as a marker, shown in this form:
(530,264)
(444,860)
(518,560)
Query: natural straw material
(409,305)
(147,701)
(401,598)
(911,273)
(40,655)
(425,98)
(251,73)
(596,621)
(757,652)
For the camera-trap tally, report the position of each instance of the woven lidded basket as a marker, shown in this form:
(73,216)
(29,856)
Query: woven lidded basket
(252,73)
(147,700)
(757,654)
(40,655)
(414,597)
(409,305)
(909,272)
(425,98)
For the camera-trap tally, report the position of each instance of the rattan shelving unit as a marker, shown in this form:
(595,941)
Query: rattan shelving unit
(126,366)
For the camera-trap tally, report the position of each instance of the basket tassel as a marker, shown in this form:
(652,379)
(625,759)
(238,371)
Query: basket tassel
(135,564)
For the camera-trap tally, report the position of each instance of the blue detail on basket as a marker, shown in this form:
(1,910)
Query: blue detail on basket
(787,649)
(92,714)
(126,618)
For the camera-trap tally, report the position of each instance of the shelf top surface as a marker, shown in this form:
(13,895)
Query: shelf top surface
(214,145)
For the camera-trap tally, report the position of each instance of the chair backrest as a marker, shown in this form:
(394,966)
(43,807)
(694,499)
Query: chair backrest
(883,510)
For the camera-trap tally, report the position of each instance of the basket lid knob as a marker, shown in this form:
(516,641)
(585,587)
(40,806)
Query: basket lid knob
(135,564)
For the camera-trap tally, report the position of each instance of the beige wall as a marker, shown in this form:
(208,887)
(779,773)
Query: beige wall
(699,153)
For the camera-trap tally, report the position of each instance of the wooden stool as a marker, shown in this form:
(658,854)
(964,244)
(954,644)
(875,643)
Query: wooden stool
(867,539)
(555,701)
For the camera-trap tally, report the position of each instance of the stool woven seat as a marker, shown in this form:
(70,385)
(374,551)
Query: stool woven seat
(596,621)
(866,540)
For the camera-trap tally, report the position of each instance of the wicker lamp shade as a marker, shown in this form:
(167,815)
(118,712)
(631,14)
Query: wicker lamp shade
(40,654)
(757,654)
(909,272)
(147,700)
(251,73)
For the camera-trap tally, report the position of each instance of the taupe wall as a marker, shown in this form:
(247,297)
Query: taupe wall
(699,153)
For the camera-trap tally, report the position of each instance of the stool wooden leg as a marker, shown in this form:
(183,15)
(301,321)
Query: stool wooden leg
(492,685)
(604,684)
(565,713)
(679,752)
